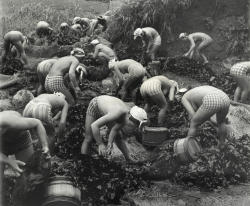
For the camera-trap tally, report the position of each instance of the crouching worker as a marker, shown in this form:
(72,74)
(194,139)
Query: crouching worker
(240,73)
(135,71)
(54,81)
(103,52)
(114,113)
(43,69)
(151,40)
(17,39)
(154,91)
(204,41)
(16,139)
(202,103)
(42,107)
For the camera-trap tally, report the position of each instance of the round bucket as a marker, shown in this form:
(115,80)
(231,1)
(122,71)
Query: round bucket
(62,192)
(187,149)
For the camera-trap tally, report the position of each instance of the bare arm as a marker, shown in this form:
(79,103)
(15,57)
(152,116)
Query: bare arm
(64,112)
(21,123)
(172,93)
(72,73)
(95,126)
(63,119)
(96,52)
(115,129)
(192,45)
(188,106)
(118,73)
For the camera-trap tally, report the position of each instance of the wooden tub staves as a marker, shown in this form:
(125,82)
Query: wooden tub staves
(187,149)
(62,192)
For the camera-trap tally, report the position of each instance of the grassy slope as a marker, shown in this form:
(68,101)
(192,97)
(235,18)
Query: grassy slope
(24,14)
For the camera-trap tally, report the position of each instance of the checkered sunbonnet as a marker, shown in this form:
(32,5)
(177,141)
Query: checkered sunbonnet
(239,70)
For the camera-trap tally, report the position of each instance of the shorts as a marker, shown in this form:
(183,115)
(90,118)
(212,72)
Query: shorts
(39,110)
(55,84)
(239,70)
(17,144)
(136,71)
(150,88)
(215,102)
(93,109)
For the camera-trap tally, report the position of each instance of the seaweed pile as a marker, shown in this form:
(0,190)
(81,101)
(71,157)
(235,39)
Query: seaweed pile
(215,167)
(12,66)
(218,167)
(100,180)
(184,66)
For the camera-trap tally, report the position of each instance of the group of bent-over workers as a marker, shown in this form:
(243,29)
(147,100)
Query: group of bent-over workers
(46,114)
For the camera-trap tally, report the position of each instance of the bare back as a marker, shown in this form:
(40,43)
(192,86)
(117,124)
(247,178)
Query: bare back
(108,104)
(199,36)
(7,124)
(125,64)
(105,49)
(52,99)
(62,66)
(151,33)
(196,94)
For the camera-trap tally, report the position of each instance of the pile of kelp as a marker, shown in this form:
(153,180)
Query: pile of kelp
(216,166)
(184,66)
(100,180)
(11,66)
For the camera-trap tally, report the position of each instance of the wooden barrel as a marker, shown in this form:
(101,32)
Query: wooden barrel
(62,192)
(186,149)
(153,136)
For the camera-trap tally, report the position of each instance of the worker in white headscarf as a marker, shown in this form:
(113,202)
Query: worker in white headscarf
(113,112)
(151,40)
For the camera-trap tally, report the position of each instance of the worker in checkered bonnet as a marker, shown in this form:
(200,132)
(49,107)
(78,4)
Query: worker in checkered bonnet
(201,104)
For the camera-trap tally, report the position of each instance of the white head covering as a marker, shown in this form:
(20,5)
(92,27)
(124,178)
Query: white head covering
(95,42)
(182,35)
(76,20)
(43,25)
(78,52)
(80,69)
(139,114)
(138,33)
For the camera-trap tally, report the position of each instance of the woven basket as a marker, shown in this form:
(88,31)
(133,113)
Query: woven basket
(153,136)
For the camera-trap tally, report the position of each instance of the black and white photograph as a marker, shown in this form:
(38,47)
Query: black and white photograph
(124,102)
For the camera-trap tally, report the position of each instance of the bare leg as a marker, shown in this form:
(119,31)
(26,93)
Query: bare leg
(41,88)
(20,49)
(222,129)
(199,117)
(88,134)
(160,100)
(237,94)
(244,96)
(123,147)
(6,50)
(201,47)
